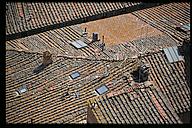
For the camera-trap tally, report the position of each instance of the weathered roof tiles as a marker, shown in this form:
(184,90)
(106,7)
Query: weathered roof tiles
(145,105)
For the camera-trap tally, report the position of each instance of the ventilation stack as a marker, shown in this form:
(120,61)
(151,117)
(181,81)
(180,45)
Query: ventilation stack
(143,72)
(103,39)
(103,44)
(85,33)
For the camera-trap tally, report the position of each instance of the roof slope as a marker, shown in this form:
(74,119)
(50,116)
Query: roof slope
(166,17)
(53,97)
(121,28)
(171,79)
(44,102)
(146,45)
(49,86)
(58,42)
(22,17)
(142,105)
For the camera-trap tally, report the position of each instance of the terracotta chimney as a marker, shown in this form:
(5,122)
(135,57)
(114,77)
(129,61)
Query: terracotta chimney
(47,58)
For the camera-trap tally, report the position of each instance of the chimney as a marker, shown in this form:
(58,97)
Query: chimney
(143,72)
(95,36)
(46,61)
(47,58)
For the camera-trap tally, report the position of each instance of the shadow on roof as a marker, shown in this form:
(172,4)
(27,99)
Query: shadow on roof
(185,50)
(39,69)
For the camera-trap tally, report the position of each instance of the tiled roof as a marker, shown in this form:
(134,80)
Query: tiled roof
(146,45)
(44,102)
(58,42)
(144,105)
(166,17)
(22,17)
(121,28)
(53,97)
(49,86)
(171,79)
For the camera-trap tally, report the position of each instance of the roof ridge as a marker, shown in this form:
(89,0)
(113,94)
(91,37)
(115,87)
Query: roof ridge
(69,57)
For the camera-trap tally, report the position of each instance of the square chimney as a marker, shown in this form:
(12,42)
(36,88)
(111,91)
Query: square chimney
(47,58)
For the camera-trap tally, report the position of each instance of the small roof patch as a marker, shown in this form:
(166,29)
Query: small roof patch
(78,44)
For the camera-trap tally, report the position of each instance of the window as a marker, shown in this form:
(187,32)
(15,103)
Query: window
(101,90)
(172,54)
(21,89)
(78,44)
(75,75)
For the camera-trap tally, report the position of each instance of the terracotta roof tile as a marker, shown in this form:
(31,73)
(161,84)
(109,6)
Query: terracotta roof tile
(170,78)
(52,97)
(47,88)
(165,17)
(150,107)
(36,15)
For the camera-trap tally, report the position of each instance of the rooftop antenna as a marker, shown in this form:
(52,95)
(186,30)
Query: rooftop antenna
(106,70)
(103,39)
(84,35)
(103,44)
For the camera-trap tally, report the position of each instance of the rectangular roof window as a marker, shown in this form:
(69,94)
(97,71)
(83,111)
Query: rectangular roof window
(168,55)
(172,54)
(187,27)
(102,89)
(75,75)
(22,89)
(78,44)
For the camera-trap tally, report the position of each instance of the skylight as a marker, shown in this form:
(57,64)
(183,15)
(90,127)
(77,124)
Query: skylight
(75,75)
(102,89)
(21,89)
(172,54)
(78,44)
